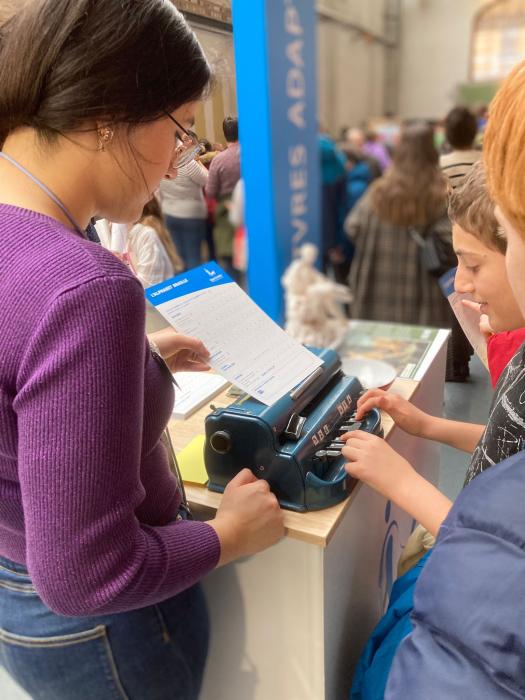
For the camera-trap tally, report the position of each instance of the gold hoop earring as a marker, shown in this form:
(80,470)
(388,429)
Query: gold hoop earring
(105,136)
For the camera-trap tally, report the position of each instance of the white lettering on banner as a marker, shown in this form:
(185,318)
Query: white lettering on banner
(294,52)
(295,85)
(298,204)
(298,179)
(297,155)
(295,80)
(292,20)
(296,94)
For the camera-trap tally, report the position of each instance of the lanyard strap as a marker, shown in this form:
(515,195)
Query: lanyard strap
(45,189)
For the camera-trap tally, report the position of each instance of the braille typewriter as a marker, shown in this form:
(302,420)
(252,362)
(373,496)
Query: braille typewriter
(295,443)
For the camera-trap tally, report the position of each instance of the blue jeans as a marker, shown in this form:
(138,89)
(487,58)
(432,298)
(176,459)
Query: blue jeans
(155,653)
(188,236)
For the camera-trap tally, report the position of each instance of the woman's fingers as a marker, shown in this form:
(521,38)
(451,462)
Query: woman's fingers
(188,342)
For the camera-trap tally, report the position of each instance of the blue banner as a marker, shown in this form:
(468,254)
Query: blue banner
(275,61)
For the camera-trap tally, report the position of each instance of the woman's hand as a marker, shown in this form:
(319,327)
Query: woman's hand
(182,353)
(404,414)
(249,518)
(373,461)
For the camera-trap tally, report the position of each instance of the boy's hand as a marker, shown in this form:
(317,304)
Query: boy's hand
(404,414)
(484,325)
(373,461)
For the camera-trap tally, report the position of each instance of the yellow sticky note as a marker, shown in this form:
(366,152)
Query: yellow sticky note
(191,462)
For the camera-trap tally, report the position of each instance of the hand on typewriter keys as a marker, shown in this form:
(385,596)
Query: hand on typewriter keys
(404,414)
(373,461)
(249,518)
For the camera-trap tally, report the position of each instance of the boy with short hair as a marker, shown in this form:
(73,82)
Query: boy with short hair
(481,272)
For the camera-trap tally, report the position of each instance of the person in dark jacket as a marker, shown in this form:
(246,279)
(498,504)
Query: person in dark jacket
(333,198)
(468,641)
(358,177)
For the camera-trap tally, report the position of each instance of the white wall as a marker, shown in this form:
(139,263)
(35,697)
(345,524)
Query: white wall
(350,68)
(434,54)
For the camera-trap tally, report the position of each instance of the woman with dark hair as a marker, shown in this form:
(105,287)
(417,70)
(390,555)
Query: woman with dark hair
(387,277)
(99,564)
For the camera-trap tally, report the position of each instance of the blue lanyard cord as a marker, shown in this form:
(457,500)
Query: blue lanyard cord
(45,189)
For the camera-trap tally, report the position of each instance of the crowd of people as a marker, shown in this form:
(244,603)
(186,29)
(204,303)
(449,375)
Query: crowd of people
(100,559)
(379,206)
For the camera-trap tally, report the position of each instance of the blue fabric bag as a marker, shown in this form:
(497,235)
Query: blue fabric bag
(374,665)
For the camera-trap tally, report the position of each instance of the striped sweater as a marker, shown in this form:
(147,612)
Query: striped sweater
(456,165)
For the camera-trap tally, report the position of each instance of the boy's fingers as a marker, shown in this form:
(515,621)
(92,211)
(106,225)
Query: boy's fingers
(474,305)
(358,435)
(369,394)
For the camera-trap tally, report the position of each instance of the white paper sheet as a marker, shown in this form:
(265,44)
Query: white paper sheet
(245,345)
(194,389)
(469,322)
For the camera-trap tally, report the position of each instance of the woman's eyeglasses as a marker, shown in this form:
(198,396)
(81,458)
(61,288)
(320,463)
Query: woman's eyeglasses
(187,146)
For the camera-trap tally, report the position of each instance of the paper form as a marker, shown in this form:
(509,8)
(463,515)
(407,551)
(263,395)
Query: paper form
(467,318)
(246,346)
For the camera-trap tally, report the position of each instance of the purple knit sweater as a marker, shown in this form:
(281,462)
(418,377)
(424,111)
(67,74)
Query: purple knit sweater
(86,496)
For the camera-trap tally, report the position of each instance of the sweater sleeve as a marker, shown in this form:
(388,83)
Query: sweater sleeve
(79,406)
(213,184)
(197,173)
(147,254)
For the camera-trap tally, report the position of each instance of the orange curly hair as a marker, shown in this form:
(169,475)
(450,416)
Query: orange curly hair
(504,148)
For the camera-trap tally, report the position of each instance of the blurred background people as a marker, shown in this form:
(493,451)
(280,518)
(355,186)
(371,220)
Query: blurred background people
(153,256)
(153,253)
(387,277)
(240,239)
(185,209)
(359,175)
(374,148)
(333,199)
(461,128)
(224,173)
(355,140)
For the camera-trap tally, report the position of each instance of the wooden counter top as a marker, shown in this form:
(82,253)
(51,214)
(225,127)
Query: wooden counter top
(316,527)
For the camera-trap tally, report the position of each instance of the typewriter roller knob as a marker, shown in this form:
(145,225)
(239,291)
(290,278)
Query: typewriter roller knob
(221,442)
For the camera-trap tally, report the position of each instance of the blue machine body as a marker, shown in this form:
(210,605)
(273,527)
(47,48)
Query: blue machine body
(293,443)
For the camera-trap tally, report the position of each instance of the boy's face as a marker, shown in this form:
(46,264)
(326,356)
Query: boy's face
(515,258)
(482,274)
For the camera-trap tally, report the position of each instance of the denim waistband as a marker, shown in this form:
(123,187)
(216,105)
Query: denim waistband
(13,566)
